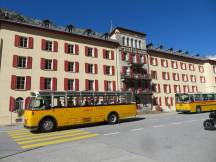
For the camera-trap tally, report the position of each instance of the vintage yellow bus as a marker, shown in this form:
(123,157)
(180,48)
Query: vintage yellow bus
(195,102)
(50,110)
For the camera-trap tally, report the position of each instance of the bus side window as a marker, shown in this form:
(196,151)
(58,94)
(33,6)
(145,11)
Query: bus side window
(59,101)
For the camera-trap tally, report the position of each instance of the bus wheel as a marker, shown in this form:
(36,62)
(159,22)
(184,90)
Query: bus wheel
(47,125)
(113,118)
(208,125)
(198,109)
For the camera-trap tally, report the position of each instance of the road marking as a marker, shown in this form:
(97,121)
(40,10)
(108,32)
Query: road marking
(176,123)
(58,141)
(158,126)
(137,129)
(107,134)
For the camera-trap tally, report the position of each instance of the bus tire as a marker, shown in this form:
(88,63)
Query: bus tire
(198,109)
(113,118)
(48,124)
(208,124)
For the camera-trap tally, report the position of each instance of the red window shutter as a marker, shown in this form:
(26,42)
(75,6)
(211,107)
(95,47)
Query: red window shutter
(165,89)
(162,63)
(55,46)
(144,59)
(13,82)
(17,41)
(158,88)
(168,75)
(86,68)
(130,57)
(87,84)
(95,52)
(29,62)
(65,84)
(15,60)
(112,55)
(169,88)
(76,49)
(114,86)
(163,75)
(160,102)
(187,77)
(54,84)
(104,53)
(30,43)
(66,47)
(27,102)
(66,65)
(178,76)
(137,58)
(113,70)
(42,63)
(76,67)
(96,68)
(175,88)
(43,44)
(96,85)
(12,104)
(77,84)
(104,69)
(55,64)
(28,83)
(42,83)
(105,85)
(156,61)
(150,60)
(123,55)
(86,51)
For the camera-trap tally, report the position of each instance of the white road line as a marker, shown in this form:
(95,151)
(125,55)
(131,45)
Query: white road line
(176,123)
(137,129)
(108,134)
(157,126)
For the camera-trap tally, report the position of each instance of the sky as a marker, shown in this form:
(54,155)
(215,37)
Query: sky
(188,25)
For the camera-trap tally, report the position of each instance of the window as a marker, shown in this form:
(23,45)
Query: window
(201,69)
(164,63)
(214,69)
(107,54)
(131,42)
(48,64)
(21,62)
(48,45)
(167,88)
(183,66)
(194,89)
(154,74)
(47,83)
(20,82)
(184,77)
(90,52)
(127,41)
(123,41)
(174,64)
(185,88)
(108,70)
(165,75)
(193,78)
(177,88)
(175,76)
(71,48)
(109,86)
(202,79)
(91,68)
(91,84)
(70,84)
(139,43)
(191,67)
(135,43)
(71,66)
(153,61)
(23,42)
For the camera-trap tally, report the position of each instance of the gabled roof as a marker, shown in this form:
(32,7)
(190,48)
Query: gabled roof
(128,30)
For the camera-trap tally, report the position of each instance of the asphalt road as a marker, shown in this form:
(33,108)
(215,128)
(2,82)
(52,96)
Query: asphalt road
(167,137)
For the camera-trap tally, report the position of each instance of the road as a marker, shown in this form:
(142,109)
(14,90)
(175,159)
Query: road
(166,137)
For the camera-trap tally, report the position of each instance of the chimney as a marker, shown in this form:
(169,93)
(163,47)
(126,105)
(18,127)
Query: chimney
(160,47)
(150,45)
(170,50)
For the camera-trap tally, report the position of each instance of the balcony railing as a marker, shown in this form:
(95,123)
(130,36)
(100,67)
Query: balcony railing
(130,75)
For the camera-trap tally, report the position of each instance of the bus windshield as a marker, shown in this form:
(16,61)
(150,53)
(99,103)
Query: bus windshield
(182,98)
(40,102)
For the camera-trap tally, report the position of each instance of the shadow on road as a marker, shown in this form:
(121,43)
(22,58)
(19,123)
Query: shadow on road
(134,119)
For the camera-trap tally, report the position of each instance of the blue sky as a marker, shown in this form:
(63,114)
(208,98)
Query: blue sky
(180,24)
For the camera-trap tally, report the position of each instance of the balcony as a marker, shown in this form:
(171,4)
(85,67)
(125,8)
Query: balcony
(138,91)
(130,75)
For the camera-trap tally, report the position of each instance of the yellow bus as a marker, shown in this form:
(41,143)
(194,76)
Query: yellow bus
(195,102)
(50,110)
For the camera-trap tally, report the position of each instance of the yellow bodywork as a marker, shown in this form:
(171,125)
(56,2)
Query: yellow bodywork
(191,107)
(78,115)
